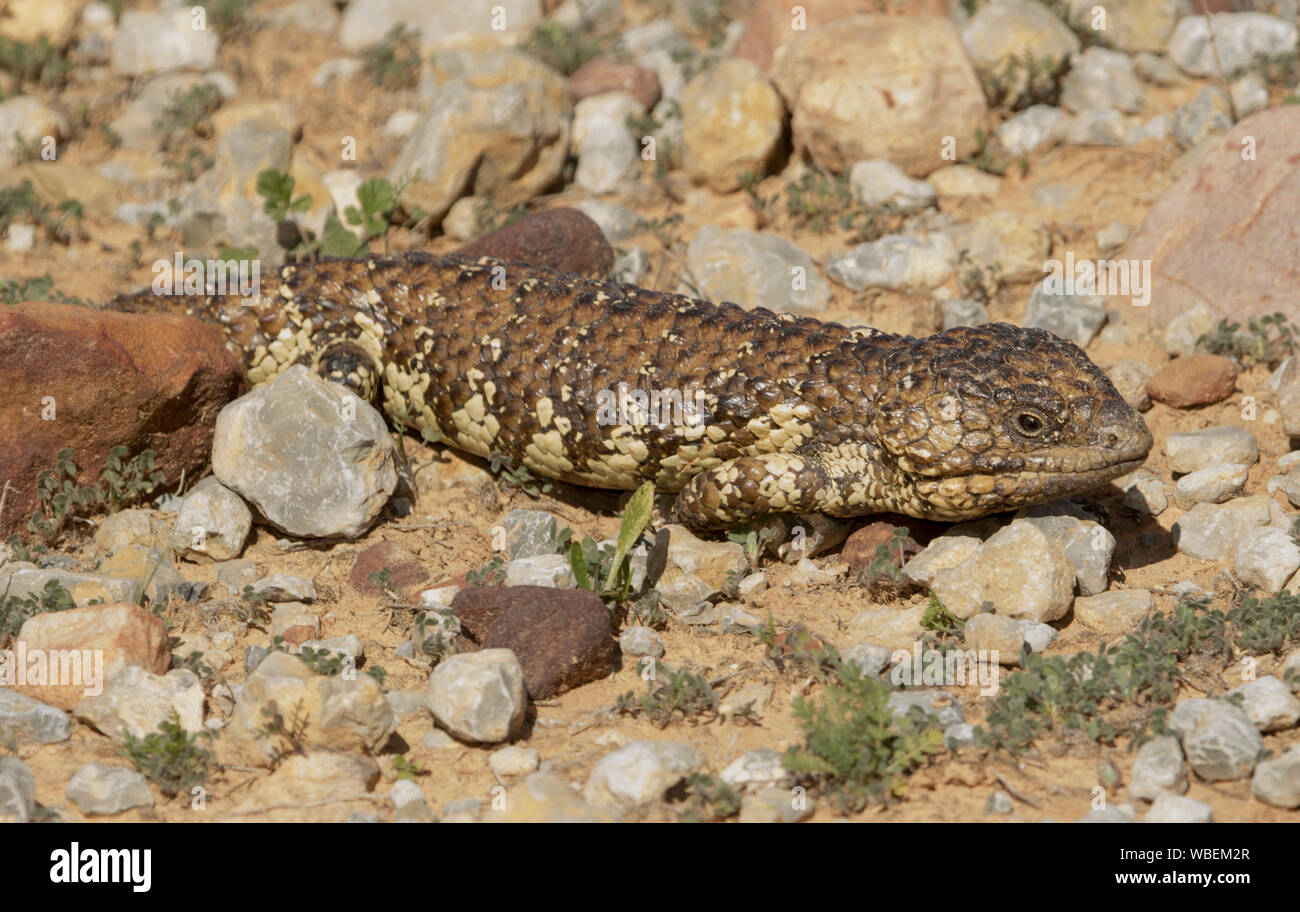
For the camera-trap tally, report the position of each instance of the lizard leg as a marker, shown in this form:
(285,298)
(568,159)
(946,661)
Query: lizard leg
(845,480)
(747,487)
(345,361)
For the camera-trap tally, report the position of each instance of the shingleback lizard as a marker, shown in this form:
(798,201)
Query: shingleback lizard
(795,415)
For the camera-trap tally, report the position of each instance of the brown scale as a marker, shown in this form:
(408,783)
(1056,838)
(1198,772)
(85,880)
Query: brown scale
(1019,404)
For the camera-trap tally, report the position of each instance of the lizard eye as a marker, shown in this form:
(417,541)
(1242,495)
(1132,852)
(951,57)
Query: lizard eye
(1029,423)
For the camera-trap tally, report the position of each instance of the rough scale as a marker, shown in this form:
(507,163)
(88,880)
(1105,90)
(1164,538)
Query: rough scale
(796,415)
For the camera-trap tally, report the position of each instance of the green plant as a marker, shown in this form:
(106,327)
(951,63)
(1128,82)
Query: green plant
(37,288)
(939,619)
(130,480)
(564,49)
(708,799)
(1269,340)
(883,576)
(14,610)
(493,573)
(671,694)
(60,498)
(187,115)
(605,571)
(855,747)
(1124,687)
(229,17)
(290,734)
(437,632)
(39,62)
(278,201)
(407,769)
(193,662)
(20,204)
(171,758)
(518,475)
(393,62)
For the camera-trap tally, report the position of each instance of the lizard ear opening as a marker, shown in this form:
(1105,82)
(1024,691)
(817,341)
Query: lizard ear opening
(348,363)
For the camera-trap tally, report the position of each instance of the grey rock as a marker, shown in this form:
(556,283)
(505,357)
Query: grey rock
(869,658)
(898,262)
(1031,128)
(479,696)
(1088,545)
(1277,780)
(639,772)
(1266,558)
(316,460)
(1168,808)
(998,802)
(755,269)
(1156,69)
(640,641)
(1158,768)
(405,705)
(1100,78)
(1076,317)
(1214,531)
(1192,450)
(608,154)
(1094,127)
(530,533)
(878,181)
(137,702)
(106,790)
(1037,636)
(284,587)
(213,522)
(1145,493)
(1239,39)
(1219,739)
(366,22)
(961,734)
(22,717)
(553,570)
(936,702)
(514,761)
(17,790)
(18,580)
(963,312)
(1268,703)
(147,42)
(1202,117)
(1212,484)
(776,805)
(755,769)
(630,266)
(1184,330)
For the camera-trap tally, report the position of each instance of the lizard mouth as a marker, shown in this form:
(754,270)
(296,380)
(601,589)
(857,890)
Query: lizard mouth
(960,497)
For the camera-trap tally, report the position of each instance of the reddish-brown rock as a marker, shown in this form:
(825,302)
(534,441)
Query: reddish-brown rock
(1194,380)
(771,23)
(601,75)
(126,635)
(860,547)
(89,379)
(1226,233)
(560,636)
(563,239)
(405,569)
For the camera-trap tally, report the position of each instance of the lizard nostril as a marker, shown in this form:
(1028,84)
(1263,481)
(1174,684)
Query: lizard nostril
(1112,439)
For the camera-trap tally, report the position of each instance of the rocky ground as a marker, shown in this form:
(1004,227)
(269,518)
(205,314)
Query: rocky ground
(303,616)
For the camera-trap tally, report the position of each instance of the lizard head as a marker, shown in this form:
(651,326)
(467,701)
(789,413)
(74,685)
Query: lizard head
(980,419)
